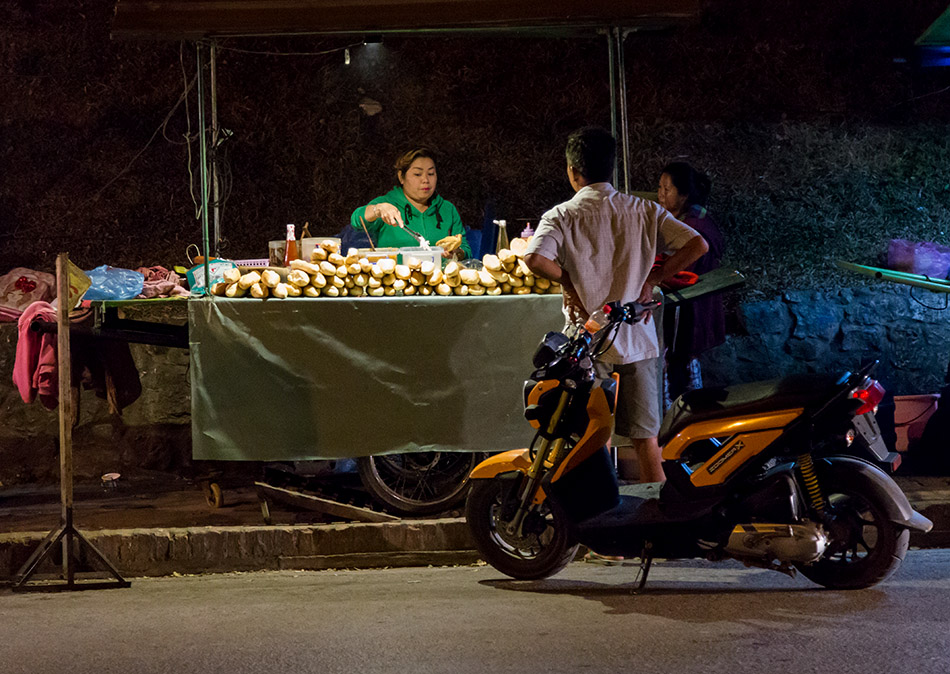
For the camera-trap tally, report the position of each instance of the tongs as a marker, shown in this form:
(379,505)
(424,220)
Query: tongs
(417,236)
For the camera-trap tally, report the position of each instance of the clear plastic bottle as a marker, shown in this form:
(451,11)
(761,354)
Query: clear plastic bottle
(597,321)
(502,235)
(290,249)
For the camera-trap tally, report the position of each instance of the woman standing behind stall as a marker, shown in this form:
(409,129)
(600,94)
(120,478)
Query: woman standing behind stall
(415,204)
(699,325)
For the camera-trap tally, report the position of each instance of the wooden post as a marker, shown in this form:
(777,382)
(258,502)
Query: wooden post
(65,412)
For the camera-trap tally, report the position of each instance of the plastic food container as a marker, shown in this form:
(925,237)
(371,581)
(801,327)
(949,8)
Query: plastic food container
(433,255)
(379,253)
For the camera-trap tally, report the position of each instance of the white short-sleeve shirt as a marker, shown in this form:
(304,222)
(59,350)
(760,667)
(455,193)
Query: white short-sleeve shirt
(608,241)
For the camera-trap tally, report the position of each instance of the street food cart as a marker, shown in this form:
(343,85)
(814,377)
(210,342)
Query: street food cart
(309,378)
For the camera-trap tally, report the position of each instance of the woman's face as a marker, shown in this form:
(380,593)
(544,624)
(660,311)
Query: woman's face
(670,197)
(418,182)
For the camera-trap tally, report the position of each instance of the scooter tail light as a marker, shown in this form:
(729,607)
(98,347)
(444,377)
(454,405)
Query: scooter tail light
(870,396)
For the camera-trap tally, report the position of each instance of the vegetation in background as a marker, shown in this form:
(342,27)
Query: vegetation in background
(822,139)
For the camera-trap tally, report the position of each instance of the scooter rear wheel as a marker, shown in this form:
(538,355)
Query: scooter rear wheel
(543,548)
(866,546)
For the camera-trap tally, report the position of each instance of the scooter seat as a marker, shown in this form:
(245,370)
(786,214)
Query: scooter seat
(805,390)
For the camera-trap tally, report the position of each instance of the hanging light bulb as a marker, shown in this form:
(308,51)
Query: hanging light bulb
(346,57)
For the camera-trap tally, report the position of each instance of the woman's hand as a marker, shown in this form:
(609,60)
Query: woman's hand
(385,212)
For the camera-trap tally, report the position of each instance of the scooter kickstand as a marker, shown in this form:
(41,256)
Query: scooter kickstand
(646,561)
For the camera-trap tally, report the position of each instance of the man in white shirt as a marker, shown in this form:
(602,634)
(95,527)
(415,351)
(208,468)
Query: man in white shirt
(601,246)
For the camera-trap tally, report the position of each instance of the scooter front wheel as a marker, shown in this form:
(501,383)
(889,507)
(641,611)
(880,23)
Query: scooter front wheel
(542,547)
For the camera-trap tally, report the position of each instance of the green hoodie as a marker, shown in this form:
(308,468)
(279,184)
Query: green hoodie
(440,220)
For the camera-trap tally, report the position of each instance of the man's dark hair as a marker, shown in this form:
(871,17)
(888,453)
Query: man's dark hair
(591,151)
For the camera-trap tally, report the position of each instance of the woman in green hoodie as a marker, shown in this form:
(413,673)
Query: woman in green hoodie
(413,203)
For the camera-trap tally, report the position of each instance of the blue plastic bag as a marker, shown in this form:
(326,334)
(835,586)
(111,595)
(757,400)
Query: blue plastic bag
(113,283)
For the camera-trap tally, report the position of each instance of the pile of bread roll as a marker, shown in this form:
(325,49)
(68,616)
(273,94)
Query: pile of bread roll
(332,274)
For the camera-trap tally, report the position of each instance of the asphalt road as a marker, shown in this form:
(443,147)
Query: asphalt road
(693,617)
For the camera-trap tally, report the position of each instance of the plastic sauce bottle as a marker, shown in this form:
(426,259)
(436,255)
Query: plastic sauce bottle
(527,232)
(290,250)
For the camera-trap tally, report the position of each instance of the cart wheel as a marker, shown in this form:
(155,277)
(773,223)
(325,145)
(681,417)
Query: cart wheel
(213,495)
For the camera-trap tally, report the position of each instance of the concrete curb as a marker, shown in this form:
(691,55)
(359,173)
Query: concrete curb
(162,552)
(196,550)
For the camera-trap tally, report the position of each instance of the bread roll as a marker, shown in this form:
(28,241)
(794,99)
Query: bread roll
(506,288)
(399,284)
(387,264)
(542,283)
(293,291)
(515,281)
(417,278)
(331,291)
(436,277)
(425,290)
(318,255)
(523,290)
(357,291)
(409,290)
(352,256)
(519,247)
(427,268)
(476,290)
(353,268)
(310,291)
(494,291)
(469,276)
(402,271)
(452,281)
(376,292)
(412,262)
(270,278)
(365,265)
(218,289)
(305,266)
(443,289)
(330,246)
(327,268)
(499,275)
(377,271)
(373,282)
(389,279)
(318,280)
(524,267)
(234,290)
(232,275)
(451,269)
(337,282)
(249,279)
(336,259)
(460,290)
(348,282)
(486,279)
(341,270)
(280,291)
(389,291)
(361,279)
(529,281)
(491,262)
(505,256)
(298,278)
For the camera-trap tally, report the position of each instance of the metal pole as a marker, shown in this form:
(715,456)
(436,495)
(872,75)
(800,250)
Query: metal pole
(612,74)
(215,178)
(65,413)
(203,144)
(619,36)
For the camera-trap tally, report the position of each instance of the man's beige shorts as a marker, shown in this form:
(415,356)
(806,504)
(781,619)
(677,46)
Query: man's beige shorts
(638,406)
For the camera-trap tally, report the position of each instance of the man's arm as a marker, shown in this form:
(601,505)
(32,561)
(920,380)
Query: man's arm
(691,251)
(552,271)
